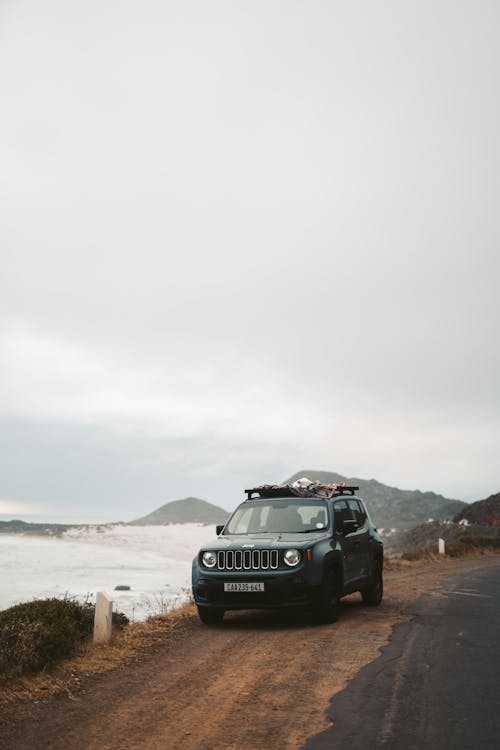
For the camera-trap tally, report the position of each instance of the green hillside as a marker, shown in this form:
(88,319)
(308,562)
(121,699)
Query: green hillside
(38,529)
(189,510)
(482,512)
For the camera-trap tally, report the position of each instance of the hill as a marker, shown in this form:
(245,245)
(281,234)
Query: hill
(486,512)
(39,529)
(188,510)
(390,507)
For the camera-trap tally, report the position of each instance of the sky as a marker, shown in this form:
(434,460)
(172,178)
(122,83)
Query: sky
(241,239)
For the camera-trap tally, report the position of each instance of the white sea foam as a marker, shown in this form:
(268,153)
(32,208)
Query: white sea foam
(155,561)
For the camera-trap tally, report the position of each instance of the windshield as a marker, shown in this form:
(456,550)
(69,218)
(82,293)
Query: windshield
(285,516)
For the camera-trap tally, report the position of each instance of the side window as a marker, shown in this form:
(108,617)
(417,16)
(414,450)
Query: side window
(362,511)
(342,512)
(358,511)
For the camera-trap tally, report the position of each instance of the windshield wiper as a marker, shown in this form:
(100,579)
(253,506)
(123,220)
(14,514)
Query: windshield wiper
(308,531)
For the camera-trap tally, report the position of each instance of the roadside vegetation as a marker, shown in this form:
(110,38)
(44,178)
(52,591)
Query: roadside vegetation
(461,547)
(128,644)
(36,635)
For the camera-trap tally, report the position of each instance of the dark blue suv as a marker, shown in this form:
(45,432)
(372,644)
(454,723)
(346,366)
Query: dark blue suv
(283,547)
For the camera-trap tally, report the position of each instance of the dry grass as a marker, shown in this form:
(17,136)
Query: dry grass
(126,646)
(396,563)
(461,548)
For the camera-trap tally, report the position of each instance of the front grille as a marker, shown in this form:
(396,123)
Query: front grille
(248,559)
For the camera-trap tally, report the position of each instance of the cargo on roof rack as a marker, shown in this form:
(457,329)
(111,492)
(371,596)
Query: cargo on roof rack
(315,489)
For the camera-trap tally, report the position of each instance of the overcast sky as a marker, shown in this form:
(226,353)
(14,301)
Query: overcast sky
(240,239)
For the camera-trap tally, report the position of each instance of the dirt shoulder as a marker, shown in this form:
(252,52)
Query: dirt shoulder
(255,680)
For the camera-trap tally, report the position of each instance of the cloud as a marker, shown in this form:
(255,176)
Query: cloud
(12,507)
(150,432)
(254,240)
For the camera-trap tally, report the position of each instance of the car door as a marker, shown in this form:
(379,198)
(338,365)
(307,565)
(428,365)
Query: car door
(361,539)
(349,543)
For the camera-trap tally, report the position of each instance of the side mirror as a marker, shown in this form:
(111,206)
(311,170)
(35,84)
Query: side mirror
(219,528)
(349,525)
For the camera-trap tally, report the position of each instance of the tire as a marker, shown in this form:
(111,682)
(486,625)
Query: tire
(372,594)
(210,616)
(328,605)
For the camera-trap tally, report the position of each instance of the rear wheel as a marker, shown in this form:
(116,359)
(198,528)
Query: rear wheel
(372,594)
(210,616)
(328,604)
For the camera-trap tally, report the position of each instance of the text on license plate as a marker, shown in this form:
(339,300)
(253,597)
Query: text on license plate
(243,586)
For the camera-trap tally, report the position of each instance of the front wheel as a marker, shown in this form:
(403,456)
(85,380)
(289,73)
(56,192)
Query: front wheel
(372,594)
(328,604)
(210,616)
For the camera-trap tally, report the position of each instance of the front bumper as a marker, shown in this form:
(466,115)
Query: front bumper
(282,589)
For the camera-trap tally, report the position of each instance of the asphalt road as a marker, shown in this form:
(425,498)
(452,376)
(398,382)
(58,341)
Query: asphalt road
(437,684)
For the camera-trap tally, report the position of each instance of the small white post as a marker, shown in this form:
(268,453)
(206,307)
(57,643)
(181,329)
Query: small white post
(103,617)
(441,546)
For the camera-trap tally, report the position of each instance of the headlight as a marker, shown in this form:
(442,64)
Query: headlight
(292,557)
(209,559)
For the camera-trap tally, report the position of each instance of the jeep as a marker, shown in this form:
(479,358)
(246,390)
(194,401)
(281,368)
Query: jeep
(290,547)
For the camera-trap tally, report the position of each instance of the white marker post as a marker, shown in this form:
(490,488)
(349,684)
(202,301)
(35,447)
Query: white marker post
(103,617)
(441,547)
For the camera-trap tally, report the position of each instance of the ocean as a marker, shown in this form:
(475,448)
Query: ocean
(154,561)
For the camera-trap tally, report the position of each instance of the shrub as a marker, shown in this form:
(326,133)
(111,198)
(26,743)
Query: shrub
(419,554)
(35,635)
(465,544)
(468,544)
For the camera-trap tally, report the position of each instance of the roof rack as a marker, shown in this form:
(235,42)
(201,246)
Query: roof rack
(315,489)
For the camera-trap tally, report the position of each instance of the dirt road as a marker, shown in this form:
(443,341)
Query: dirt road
(254,681)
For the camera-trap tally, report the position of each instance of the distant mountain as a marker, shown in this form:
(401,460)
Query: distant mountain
(390,507)
(485,512)
(189,510)
(40,529)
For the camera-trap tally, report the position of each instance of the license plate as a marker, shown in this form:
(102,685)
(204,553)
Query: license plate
(243,586)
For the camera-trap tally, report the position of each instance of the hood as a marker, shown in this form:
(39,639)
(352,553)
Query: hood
(262,541)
